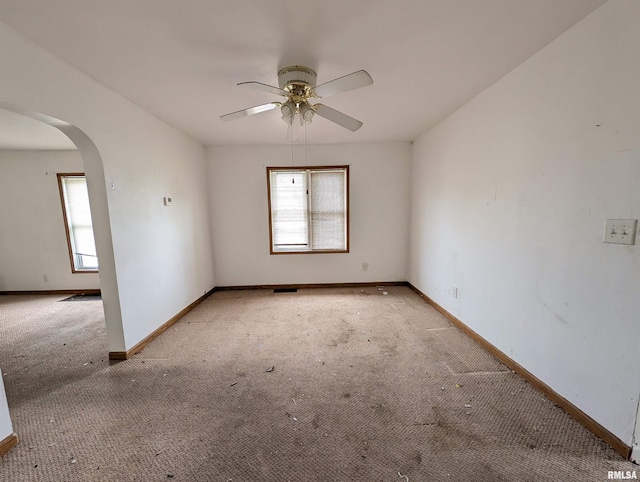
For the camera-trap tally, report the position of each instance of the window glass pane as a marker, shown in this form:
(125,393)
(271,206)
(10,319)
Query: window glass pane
(289,209)
(80,228)
(308,209)
(328,210)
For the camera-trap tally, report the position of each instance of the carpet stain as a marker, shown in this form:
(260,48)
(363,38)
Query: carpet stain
(337,407)
(315,423)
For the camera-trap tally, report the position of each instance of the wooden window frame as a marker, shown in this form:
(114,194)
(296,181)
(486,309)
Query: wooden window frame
(65,217)
(347,213)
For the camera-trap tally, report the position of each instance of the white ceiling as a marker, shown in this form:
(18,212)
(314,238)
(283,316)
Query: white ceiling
(18,132)
(182,60)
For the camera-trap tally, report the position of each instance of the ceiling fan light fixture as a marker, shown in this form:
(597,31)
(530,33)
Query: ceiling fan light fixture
(288,111)
(306,113)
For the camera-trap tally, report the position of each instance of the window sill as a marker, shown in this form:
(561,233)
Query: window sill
(316,251)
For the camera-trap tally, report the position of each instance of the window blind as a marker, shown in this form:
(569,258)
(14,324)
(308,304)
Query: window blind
(76,199)
(328,210)
(289,209)
(308,209)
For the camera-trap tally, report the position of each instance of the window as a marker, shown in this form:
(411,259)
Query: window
(308,209)
(77,222)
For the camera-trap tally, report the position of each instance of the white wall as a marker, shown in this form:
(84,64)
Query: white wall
(154,260)
(379,201)
(509,198)
(635,448)
(6,429)
(33,243)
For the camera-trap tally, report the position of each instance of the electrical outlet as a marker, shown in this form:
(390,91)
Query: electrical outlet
(167,201)
(454,291)
(365,266)
(620,231)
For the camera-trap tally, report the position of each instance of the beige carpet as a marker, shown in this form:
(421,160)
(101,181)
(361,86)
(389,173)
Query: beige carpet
(319,385)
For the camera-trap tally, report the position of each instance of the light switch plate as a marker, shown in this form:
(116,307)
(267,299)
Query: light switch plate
(620,231)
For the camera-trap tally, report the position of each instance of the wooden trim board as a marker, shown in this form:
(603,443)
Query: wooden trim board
(307,169)
(125,355)
(311,286)
(8,443)
(597,429)
(65,215)
(52,292)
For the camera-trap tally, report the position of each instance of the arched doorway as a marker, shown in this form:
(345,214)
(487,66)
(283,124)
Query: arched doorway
(93,169)
(96,184)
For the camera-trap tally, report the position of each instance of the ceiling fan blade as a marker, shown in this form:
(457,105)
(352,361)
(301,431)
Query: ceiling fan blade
(264,88)
(351,81)
(250,111)
(338,117)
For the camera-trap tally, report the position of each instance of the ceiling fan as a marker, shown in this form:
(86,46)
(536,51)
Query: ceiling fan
(298,85)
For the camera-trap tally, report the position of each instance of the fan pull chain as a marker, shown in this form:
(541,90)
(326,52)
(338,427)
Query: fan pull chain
(293,181)
(306,148)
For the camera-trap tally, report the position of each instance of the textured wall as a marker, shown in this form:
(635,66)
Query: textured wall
(33,244)
(155,260)
(379,205)
(509,199)
(5,422)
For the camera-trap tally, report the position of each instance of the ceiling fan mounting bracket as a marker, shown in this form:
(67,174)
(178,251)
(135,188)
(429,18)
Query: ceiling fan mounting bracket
(297,79)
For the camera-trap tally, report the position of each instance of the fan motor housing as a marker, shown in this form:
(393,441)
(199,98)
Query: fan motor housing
(296,76)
